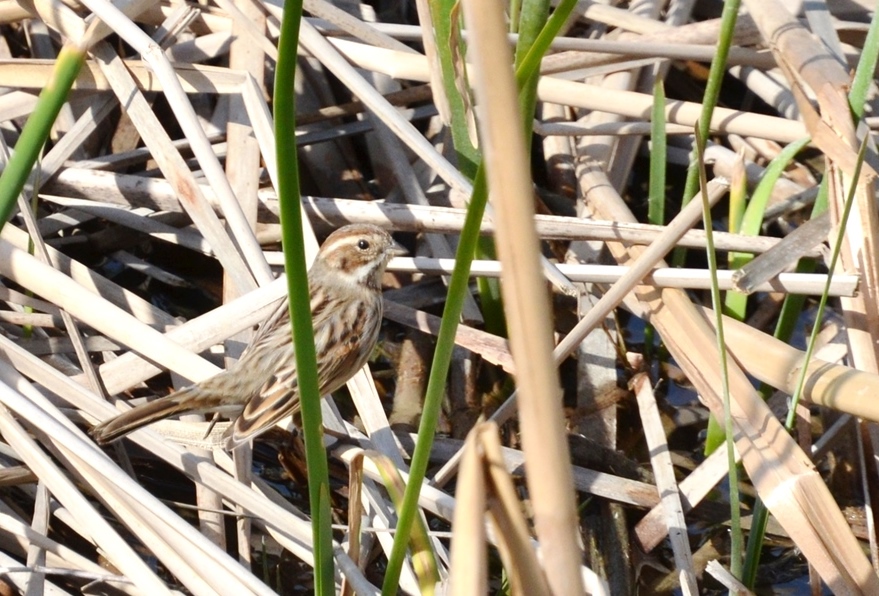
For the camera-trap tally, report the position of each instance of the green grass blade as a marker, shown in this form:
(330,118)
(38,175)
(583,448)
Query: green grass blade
(450,47)
(712,89)
(752,222)
(658,151)
(750,225)
(297,287)
(736,541)
(736,303)
(37,128)
(866,68)
(530,50)
(445,343)
(531,23)
(458,285)
(657,181)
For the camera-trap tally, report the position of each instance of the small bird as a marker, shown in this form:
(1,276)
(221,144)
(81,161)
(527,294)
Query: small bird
(346,307)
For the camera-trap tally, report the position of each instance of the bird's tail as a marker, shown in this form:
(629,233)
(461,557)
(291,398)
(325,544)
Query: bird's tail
(190,399)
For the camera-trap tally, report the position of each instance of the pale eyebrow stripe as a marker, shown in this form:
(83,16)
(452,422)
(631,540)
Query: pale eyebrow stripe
(348,239)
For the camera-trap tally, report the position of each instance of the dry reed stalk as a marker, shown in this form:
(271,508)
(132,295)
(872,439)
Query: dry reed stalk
(444,505)
(809,65)
(778,364)
(581,95)
(295,531)
(75,182)
(613,151)
(176,170)
(186,117)
(652,528)
(602,484)
(399,126)
(726,578)
(666,277)
(197,335)
(374,418)
(525,301)
(243,171)
(96,283)
(660,38)
(490,347)
(70,325)
(469,564)
(99,313)
(723,161)
(357,28)
(355,516)
(782,474)
(57,555)
(610,300)
(116,548)
(81,458)
(508,520)
(413,218)
(195,78)
(663,469)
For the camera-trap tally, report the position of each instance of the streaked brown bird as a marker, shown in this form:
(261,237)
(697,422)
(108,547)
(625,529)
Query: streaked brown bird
(346,308)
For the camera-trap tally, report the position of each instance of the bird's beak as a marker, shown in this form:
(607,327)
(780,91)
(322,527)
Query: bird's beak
(397,250)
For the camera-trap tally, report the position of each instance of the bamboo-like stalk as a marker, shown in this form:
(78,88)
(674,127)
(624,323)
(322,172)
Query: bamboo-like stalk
(549,475)
(112,321)
(469,561)
(94,200)
(665,482)
(295,530)
(774,462)
(793,283)
(120,190)
(582,95)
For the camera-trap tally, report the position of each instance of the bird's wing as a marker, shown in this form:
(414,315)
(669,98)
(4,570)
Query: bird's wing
(278,315)
(278,399)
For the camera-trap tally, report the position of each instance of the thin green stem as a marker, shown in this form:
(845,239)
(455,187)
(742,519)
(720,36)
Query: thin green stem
(36,130)
(299,302)
(658,151)
(712,89)
(450,48)
(445,342)
(822,304)
(458,285)
(866,67)
(736,541)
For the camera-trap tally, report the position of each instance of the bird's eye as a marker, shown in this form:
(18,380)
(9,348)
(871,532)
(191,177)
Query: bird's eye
(362,244)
